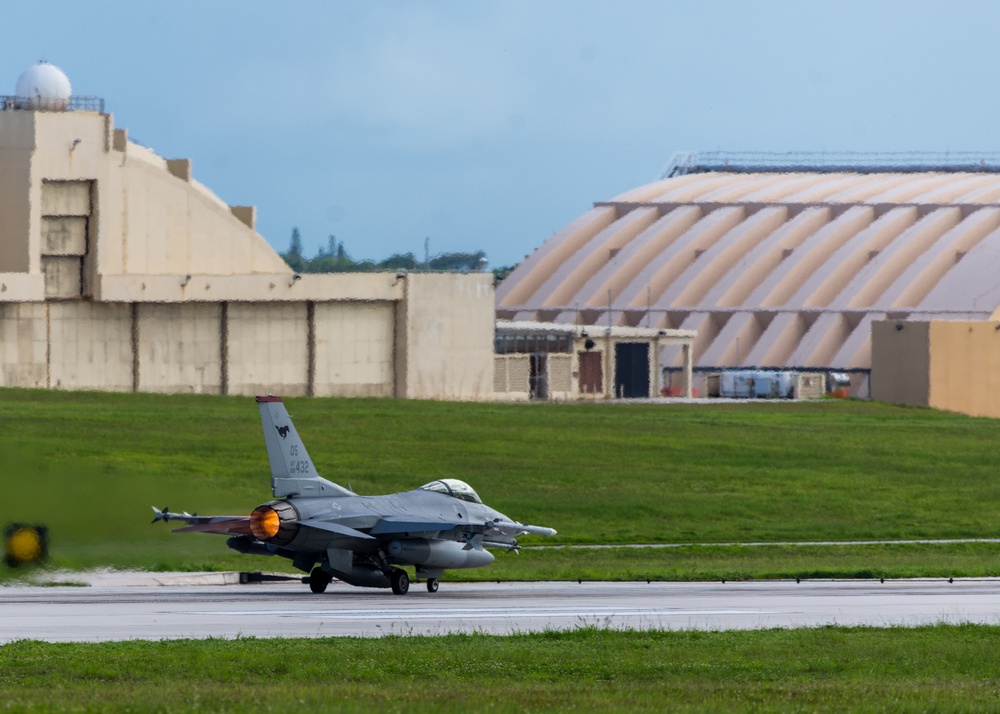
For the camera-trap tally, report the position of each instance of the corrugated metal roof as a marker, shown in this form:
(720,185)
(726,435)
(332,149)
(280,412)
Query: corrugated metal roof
(772,269)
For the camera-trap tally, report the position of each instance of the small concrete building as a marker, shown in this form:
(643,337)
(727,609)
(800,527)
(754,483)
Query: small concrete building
(119,271)
(945,364)
(539,360)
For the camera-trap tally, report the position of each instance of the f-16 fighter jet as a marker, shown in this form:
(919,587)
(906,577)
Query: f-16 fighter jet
(330,532)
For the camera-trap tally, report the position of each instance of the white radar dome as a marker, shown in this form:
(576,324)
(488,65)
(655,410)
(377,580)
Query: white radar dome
(43,86)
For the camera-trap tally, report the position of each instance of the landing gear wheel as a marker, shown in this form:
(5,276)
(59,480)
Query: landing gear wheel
(318,580)
(400,582)
(432,585)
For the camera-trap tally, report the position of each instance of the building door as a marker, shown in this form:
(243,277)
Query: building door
(538,379)
(632,370)
(591,373)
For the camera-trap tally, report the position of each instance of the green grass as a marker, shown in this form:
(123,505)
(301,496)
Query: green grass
(943,668)
(89,466)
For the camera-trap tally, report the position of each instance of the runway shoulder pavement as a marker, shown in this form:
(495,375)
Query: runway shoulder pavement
(154,606)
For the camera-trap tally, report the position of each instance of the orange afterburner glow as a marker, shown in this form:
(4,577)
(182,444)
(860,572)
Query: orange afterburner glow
(264,522)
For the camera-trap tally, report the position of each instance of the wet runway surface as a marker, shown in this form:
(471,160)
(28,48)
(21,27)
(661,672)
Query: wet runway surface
(185,607)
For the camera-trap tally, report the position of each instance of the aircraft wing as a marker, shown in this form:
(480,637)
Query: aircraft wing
(223,525)
(385,528)
(336,528)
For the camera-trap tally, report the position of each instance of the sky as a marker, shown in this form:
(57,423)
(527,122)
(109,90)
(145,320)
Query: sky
(490,125)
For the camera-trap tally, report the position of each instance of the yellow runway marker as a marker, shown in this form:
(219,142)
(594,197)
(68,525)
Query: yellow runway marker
(24,544)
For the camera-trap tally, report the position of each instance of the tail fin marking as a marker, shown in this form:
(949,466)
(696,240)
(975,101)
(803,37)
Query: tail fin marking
(292,471)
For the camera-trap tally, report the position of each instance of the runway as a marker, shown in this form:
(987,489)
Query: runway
(120,608)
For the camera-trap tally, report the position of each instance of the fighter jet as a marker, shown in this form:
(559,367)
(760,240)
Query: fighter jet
(331,532)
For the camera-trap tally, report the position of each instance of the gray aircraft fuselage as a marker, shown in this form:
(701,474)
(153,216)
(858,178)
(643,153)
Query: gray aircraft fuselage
(331,532)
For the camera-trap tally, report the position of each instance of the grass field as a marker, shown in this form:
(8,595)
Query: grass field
(940,669)
(89,466)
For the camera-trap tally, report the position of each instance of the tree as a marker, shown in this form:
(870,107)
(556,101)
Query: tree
(334,258)
(499,274)
(331,246)
(296,246)
(399,261)
(294,255)
(461,262)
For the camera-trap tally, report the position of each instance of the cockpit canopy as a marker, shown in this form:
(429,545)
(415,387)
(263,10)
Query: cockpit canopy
(453,487)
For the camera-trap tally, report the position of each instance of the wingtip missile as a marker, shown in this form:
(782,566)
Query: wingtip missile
(164,514)
(511,528)
(539,530)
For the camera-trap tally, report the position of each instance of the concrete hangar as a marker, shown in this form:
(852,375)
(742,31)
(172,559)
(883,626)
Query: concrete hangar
(785,261)
(119,271)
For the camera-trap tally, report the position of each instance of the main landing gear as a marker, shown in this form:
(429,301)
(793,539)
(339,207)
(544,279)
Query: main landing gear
(318,580)
(400,581)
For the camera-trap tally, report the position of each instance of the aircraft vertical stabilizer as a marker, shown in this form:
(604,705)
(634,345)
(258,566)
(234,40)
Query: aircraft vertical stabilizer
(292,471)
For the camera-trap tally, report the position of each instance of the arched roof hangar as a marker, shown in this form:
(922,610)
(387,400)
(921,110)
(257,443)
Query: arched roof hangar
(777,261)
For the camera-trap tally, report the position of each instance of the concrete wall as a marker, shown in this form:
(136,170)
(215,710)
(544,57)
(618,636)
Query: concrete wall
(944,364)
(17,144)
(150,217)
(965,367)
(346,287)
(292,348)
(173,228)
(901,362)
(23,345)
(355,344)
(90,346)
(268,348)
(180,348)
(444,337)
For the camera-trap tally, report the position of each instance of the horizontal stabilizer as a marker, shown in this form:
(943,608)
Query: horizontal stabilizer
(225,525)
